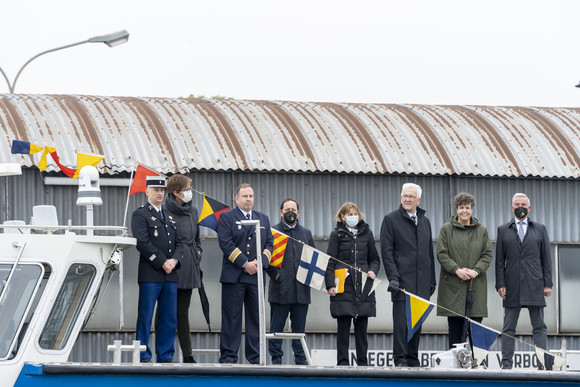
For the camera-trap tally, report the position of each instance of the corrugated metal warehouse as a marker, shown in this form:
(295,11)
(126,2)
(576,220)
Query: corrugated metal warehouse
(323,154)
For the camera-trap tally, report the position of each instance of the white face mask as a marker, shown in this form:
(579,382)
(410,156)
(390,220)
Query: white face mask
(352,220)
(187,196)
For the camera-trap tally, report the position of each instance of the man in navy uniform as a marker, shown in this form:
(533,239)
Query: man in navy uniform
(160,251)
(286,295)
(238,278)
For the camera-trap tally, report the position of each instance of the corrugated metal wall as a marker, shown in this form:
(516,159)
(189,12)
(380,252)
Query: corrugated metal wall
(320,196)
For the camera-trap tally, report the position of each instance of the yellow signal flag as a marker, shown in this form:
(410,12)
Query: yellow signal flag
(280,242)
(42,162)
(35,148)
(340,278)
(84,159)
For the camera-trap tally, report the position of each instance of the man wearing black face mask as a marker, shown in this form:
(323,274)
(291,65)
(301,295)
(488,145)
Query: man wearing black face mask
(523,272)
(286,295)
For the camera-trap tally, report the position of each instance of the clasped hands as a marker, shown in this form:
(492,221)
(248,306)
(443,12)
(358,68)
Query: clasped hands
(251,267)
(465,274)
(169,265)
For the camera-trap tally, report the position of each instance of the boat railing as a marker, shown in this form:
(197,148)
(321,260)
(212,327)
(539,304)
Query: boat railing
(18,228)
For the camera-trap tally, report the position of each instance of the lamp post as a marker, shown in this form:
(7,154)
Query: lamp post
(110,40)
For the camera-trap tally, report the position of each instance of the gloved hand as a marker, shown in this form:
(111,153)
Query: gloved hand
(393,286)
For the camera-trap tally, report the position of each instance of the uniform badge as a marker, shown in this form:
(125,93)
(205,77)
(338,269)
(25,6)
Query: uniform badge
(153,218)
(155,233)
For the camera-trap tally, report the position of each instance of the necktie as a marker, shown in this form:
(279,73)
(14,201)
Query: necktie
(414,218)
(161,215)
(248,217)
(521,230)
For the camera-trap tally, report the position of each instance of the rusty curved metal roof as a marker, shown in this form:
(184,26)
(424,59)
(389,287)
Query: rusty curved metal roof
(181,134)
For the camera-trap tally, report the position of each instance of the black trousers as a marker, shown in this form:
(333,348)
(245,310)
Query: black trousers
(183,329)
(405,354)
(238,298)
(343,339)
(455,325)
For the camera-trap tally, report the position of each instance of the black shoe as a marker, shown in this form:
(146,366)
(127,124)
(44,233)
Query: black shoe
(167,361)
(189,359)
(506,367)
(146,360)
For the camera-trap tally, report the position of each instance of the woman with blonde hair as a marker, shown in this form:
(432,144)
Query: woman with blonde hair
(352,247)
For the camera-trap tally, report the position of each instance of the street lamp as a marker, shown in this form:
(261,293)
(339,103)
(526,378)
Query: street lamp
(110,40)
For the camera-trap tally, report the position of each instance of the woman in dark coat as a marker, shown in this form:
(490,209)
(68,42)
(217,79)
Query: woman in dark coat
(352,246)
(178,207)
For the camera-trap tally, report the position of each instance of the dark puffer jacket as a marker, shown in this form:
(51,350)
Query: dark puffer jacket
(352,251)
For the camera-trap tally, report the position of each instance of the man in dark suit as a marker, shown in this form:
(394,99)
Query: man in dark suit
(286,295)
(523,273)
(407,252)
(160,251)
(238,277)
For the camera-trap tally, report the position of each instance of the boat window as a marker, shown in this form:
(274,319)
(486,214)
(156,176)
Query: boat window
(16,300)
(68,305)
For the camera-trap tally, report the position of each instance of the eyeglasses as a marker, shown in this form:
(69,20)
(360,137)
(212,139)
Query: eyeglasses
(408,197)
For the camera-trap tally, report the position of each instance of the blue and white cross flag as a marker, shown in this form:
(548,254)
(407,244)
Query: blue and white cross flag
(312,267)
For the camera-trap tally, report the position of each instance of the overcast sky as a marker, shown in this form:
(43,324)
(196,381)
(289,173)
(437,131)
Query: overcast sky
(524,53)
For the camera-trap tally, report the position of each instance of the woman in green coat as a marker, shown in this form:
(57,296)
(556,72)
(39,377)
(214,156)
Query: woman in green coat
(464,252)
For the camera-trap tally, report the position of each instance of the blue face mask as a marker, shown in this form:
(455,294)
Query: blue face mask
(352,220)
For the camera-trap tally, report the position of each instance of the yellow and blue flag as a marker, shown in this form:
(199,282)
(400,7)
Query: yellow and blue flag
(418,310)
(210,213)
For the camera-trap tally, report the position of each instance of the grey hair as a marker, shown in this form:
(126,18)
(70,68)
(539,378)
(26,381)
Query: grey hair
(521,195)
(412,186)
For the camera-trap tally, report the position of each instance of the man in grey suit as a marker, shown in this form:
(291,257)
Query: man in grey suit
(523,271)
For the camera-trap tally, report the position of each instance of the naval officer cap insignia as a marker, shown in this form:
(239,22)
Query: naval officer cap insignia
(156,181)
